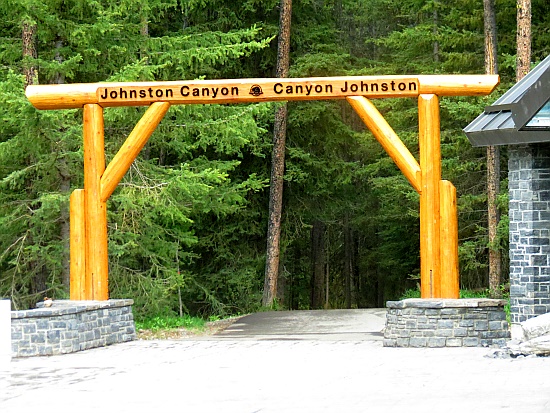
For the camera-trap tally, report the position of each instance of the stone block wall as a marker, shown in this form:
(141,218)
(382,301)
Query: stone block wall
(446,323)
(70,326)
(529,212)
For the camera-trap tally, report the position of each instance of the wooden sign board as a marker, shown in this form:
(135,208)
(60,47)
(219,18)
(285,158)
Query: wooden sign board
(255,90)
(265,90)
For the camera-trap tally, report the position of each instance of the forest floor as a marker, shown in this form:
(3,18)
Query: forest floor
(209,329)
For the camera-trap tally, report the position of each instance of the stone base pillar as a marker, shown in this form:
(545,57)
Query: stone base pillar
(529,212)
(446,323)
(69,326)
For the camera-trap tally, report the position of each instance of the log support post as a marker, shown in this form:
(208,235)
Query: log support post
(89,255)
(95,210)
(78,246)
(438,213)
(449,241)
(430,165)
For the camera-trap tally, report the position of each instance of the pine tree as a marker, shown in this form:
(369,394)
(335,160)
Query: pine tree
(493,156)
(277,164)
(193,168)
(523,38)
(187,224)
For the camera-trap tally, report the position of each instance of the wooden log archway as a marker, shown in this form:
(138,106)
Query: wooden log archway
(439,276)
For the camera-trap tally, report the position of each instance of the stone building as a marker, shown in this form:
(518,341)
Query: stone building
(521,120)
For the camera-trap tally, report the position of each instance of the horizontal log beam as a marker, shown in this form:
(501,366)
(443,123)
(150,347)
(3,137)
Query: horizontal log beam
(70,96)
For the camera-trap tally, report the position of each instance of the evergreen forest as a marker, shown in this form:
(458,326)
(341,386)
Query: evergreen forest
(187,225)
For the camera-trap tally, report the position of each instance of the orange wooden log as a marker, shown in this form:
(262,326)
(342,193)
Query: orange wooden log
(449,241)
(64,96)
(255,90)
(458,85)
(139,136)
(77,246)
(389,140)
(430,164)
(95,210)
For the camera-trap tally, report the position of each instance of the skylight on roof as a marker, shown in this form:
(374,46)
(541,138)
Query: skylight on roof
(541,120)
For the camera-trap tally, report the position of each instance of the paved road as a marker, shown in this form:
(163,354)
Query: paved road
(279,362)
(334,325)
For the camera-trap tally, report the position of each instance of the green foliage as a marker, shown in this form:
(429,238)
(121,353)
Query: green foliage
(187,224)
(196,168)
(410,293)
(464,293)
(169,323)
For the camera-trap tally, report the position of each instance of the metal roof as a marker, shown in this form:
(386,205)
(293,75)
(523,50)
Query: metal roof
(504,122)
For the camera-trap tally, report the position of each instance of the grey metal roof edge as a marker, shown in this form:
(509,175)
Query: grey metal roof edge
(505,137)
(502,122)
(487,121)
(517,91)
(533,99)
(473,124)
(497,108)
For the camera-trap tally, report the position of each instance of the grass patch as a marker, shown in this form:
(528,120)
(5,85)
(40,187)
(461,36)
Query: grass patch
(415,293)
(170,323)
(176,328)
(475,294)
(411,293)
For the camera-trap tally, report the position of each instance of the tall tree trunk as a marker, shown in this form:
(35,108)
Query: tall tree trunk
(58,78)
(144,54)
(277,163)
(436,31)
(523,63)
(65,230)
(327,284)
(64,187)
(490,26)
(493,156)
(144,31)
(327,274)
(28,35)
(348,262)
(493,189)
(317,264)
(380,288)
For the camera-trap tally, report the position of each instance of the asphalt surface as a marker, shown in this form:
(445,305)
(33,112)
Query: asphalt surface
(333,325)
(279,362)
